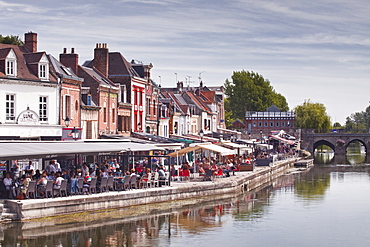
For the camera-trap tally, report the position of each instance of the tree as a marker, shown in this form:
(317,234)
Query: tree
(312,116)
(11,40)
(358,122)
(249,91)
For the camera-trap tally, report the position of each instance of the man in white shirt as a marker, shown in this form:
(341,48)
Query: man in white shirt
(8,183)
(29,168)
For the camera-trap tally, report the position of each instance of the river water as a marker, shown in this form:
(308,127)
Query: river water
(327,205)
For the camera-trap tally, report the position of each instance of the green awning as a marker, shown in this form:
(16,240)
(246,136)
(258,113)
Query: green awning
(184,140)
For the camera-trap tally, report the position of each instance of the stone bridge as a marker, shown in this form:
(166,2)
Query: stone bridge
(336,141)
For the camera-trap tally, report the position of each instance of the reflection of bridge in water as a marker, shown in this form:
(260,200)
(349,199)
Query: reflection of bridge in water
(336,141)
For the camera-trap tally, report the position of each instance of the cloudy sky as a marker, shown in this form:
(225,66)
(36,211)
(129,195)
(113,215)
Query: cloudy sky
(317,50)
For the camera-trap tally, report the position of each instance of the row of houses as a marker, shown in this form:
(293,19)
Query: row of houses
(45,97)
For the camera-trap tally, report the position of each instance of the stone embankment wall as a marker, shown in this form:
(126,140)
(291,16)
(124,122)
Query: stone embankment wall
(39,208)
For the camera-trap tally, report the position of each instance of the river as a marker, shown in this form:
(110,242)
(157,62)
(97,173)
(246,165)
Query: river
(327,205)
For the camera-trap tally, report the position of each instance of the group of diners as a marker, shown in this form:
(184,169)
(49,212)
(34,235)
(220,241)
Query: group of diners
(208,168)
(85,180)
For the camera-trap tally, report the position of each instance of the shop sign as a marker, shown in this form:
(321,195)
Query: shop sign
(28,117)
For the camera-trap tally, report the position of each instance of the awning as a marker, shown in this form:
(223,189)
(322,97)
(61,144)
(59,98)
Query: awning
(19,150)
(290,142)
(212,147)
(234,145)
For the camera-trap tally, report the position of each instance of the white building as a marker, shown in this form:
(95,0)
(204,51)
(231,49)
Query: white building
(29,93)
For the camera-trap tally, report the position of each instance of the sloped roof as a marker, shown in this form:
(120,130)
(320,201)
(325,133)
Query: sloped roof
(4,53)
(33,57)
(24,58)
(199,102)
(117,65)
(60,69)
(97,76)
(273,108)
(209,95)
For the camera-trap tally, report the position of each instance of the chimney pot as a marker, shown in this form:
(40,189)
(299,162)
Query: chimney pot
(73,50)
(64,50)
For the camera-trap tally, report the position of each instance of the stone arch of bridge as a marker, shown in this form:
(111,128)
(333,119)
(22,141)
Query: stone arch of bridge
(323,142)
(357,140)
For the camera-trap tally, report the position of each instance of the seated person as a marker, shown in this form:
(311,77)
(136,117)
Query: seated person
(8,183)
(58,181)
(41,184)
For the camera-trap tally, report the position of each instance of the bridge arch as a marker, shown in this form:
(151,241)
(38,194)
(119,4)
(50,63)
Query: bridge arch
(323,142)
(356,140)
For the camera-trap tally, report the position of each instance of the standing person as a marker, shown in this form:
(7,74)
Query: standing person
(29,168)
(50,168)
(57,166)
(84,169)
(162,175)
(15,169)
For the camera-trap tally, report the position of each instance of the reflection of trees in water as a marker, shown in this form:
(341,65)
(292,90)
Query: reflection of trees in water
(313,184)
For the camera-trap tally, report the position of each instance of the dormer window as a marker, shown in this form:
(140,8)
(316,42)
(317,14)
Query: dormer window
(11,64)
(43,71)
(43,68)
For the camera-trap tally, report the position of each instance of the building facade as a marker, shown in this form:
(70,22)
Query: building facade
(270,120)
(29,92)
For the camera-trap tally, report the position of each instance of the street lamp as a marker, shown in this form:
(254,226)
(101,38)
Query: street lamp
(201,134)
(75,133)
(67,121)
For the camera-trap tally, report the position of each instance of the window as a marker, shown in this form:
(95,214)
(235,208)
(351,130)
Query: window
(43,108)
(67,106)
(254,124)
(163,114)
(11,64)
(43,71)
(148,106)
(88,100)
(282,124)
(266,124)
(10,68)
(104,114)
(154,108)
(259,124)
(272,124)
(113,115)
(10,107)
(277,124)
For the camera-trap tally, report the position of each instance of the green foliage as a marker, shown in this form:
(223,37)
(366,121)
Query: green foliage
(337,125)
(11,40)
(228,117)
(358,122)
(315,189)
(249,91)
(312,116)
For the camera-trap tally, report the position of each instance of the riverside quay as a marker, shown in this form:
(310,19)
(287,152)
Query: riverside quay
(45,179)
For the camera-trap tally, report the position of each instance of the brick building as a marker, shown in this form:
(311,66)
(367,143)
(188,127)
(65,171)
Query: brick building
(270,120)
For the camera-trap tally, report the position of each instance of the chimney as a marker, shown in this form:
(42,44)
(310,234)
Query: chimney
(30,42)
(101,56)
(69,60)
(180,86)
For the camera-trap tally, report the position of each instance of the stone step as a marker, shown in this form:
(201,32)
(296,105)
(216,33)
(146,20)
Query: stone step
(8,216)
(6,210)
